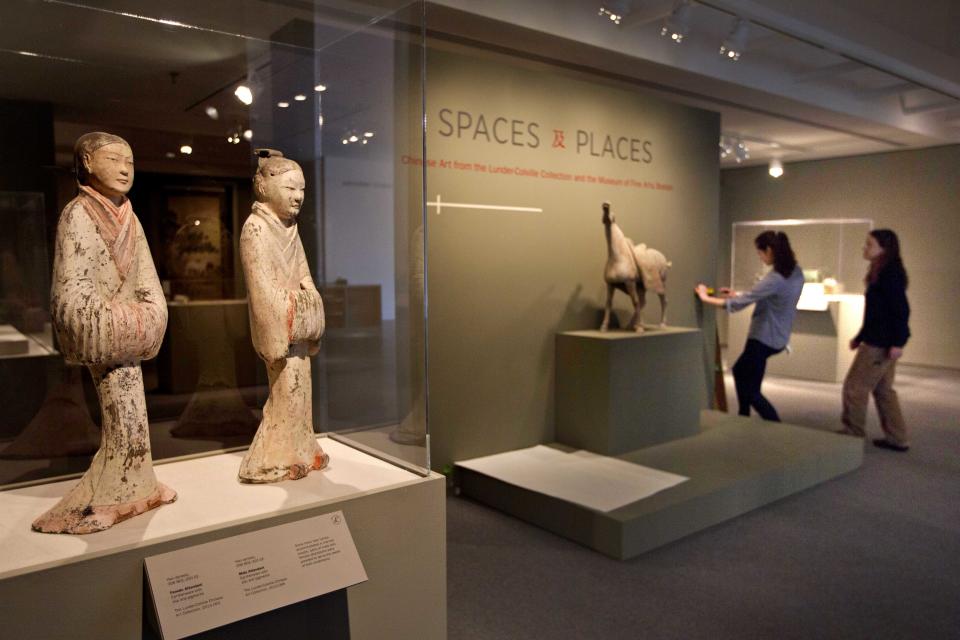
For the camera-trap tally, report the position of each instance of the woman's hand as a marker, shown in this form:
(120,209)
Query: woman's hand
(727,291)
(894,353)
(701,290)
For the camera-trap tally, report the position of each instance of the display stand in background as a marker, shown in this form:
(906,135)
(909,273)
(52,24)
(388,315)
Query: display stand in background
(819,343)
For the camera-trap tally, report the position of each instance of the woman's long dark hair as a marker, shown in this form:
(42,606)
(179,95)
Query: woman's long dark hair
(784,262)
(890,258)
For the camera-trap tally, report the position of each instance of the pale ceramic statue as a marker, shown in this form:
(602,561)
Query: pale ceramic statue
(109,314)
(633,270)
(286,323)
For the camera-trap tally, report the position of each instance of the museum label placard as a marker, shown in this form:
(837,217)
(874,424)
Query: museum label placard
(213,584)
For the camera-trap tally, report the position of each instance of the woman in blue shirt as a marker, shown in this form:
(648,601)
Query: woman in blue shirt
(775,297)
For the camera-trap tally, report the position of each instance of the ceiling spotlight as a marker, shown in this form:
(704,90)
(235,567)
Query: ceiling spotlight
(299,97)
(776,168)
(212,113)
(248,134)
(345,141)
(320,120)
(283,104)
(320,88)
(170,154)
(186,149)
(736,43)
(353,138)
(615,10)
(740,151)
(726,147)
(244,94)
(677,25)
(365,141)
(368,134)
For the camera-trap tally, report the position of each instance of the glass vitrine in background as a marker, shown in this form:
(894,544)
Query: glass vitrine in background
(830,308)
(829,250)
(195,88)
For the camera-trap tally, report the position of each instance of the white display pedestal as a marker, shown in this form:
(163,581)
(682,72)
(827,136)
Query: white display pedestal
(91,586)
(819,343)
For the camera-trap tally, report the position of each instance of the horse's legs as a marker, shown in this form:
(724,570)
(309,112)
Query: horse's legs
(606,313)
(638,296)
(663,309)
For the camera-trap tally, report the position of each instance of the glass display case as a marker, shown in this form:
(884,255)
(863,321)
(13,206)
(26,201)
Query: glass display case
(830,309)
(195,88)
(829,250)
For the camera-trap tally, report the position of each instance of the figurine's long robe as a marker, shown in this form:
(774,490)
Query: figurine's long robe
(286,323)
(109,314)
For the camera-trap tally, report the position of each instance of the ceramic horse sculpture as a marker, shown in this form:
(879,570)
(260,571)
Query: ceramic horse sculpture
(633,270)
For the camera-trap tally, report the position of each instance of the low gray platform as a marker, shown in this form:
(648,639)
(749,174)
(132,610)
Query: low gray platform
(734,464)
(618,391)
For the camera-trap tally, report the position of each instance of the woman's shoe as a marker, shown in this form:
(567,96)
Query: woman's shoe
(883,443)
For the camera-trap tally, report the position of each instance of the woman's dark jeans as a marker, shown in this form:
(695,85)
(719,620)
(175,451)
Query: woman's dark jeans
(748,376)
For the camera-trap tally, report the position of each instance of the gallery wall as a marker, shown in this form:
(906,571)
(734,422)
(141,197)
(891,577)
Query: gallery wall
(551,146)
(912,192)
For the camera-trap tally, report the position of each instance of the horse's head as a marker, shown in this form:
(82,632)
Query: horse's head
(608,217)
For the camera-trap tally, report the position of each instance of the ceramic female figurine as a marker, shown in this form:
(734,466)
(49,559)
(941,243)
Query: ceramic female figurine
(109,314)
(286,323)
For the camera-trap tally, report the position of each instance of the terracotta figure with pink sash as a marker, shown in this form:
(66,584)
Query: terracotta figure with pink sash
(109,314)
(286,323)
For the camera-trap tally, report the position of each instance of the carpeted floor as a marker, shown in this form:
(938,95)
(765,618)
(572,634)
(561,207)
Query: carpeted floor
(874,554)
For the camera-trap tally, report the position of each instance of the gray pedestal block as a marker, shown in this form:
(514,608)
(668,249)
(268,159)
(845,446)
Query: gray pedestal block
(734,465)
(618,391)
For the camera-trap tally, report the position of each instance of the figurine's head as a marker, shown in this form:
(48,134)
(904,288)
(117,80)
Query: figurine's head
(608,217)
(104,162)
(279,184)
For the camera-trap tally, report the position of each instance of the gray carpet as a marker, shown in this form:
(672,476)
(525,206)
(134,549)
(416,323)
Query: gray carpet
(874,554)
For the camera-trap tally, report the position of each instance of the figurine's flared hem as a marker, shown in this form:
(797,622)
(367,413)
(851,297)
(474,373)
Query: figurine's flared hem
(278,474)
(92,519)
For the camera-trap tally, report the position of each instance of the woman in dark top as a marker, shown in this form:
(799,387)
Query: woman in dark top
(879,344)
(775,299)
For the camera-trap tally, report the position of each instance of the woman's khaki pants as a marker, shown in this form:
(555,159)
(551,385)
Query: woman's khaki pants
(873,371)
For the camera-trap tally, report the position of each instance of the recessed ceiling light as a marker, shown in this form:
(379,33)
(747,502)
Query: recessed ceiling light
(212,112)
(320,87)
(299,97)
(283,105)
(186,149)
(244,94)
(776,168)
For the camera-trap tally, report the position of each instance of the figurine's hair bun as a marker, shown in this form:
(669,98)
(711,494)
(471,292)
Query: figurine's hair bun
(270,163)
(88,143)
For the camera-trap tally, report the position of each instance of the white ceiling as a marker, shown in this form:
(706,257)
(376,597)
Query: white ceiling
(818,79)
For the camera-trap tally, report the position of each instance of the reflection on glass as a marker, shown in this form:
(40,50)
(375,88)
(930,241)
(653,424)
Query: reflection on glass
(194,95)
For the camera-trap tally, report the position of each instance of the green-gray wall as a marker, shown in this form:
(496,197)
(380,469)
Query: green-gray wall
(913,192)
(502,284)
